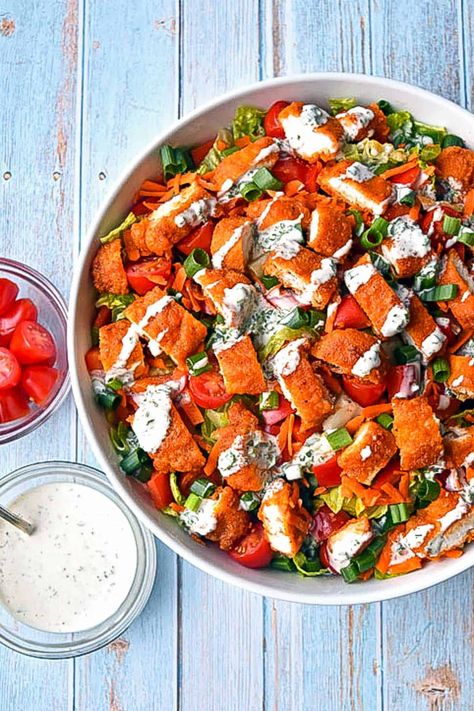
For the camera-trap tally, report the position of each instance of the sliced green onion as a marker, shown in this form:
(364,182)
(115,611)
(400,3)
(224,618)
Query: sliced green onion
(374,235)
(197,260)
(451,225)
(203,487)
(428,490)
(385,420)
(441,369)
(444,292)
(174,161)
(385,106)
(399,513)
(451,140)
(198,363)
(380,264)
(351,572)
(95,335)
(406,354)
(108,399)
(249,501)
(119,436)
(269,400)
(138,464)
(408,199)
(269,281)
(228,151)
(424,280)
(175,490)
(304,566)
(281,562)
(193,502)
(368,558)
(264,180)
(339,439)
(250,191)
(359,222)
(115,384)
(466,238)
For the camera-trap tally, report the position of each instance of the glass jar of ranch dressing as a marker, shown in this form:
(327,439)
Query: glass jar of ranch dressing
(85,573)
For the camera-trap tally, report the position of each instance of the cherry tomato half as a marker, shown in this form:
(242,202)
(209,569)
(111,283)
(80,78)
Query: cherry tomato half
(200,237)
(10,371)
(325,522)
(290,168)
(92,358)
(409,177)
(364,394)
(271,122)
(208,390)
(350,315)
(147,273)
(328,473)
(389,475)
(403,380)
(32,343)
(38,381)
(200,152)
(254,550)
(272,417)
(160,490)
(22,310)
(8,294)
(13,405)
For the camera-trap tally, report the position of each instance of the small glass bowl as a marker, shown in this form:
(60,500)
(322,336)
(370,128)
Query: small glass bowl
(52,314)
(51,645)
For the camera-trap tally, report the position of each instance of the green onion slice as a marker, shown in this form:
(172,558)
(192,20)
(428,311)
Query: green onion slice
(268,281)
(339,439)
(466,238)
(138,464)
(108,399)
(249,501)
(174,161)
(399,513)
(197,260)
(451,225)
(451,140)
(444,292)
(385,106)
(203,487)
(359,222)
(269,400)
(406,354)
(351,572)
(408,199)
(428,490)
(193,502)
(175,490)
(281,562)
(374,236)
(250,191)
(198,363)
(304,566)
(385,420)
(441,369)
(264,180)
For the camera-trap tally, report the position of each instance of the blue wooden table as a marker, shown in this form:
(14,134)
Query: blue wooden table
(84,84)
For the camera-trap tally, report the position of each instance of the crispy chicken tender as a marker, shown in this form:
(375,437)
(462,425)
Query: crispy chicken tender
(330,231)
(348,541)
(311,132)
(231,244)
(262,153)
(368,192)
(422,330)
(111,343)
(134,241)
(458,163)
(232,294)
(352,352)
(166,325)
(417,433)
(406,246)
(459,448)
(232,522)
(364,122)
(108,273)
(462,306)
(285,521)
(240,368)
(461,377)
(371,450)
(269,212)
(308,274)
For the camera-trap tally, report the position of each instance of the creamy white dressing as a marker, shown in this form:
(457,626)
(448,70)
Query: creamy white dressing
(167,208)
(365,453)
(197,213)
(358,172)
(303,134)
(395,321)
(204,520)
(238,305)
(285,238)
(457,381)
(355,120)
(256,448)
(358,276)
(344,545)
(152,419)
(230,190)
(454,515)
(121,369)
(342,251)
(262,158)
(286,361)
(240,233)
(324,273)
(432,343)
(416,537)
(405,239)
(367,362)
(401,191)
(76,569)
(275,529)
(261,219)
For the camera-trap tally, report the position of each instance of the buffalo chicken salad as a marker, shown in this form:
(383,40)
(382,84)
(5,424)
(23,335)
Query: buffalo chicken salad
(283,342)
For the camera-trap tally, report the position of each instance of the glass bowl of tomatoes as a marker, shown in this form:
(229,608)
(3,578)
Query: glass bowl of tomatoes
(34,378)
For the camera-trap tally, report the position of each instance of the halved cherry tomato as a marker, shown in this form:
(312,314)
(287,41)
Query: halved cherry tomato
(92,358)
(160,490)
(13,405)
(325,522)
(312,172)
(147,273)
(254,550)
(364,394)
(32,343)
(10,371)
(409,177)
(271,124)
(272,417)
(290,168)
(208,390)
(38,381)
(389,474)
(328,473)
(22,310)
(438,234)
(200,237)
(403,380)
(350,315)
(8,294)
(200,152)
(103,317)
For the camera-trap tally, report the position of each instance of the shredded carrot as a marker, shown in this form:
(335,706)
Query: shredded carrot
(469,203)
(293,187)
(374,410)
(369,496)
(176,507)
(414,211)
(383,562)
(208,184)
(221,145)
(463,338)
(192,411)
(211,463)
(242,142)
(320,490)
(429,170)
(406,567)
(469,473)
(399,169)
(393,493)
(366,574)
(404,486)
(329,325)
(353,425)
(455,553)
(179,279)
(289,440)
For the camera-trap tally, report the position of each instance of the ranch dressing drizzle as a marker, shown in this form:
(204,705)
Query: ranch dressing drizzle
(76,569)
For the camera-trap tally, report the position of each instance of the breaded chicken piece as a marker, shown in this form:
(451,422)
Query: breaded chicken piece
(232,242)
(456,535)
(458,164)
(385,310)
(285,521)
(407,248)
(422,330)
(231,292)
(311,132)
(371,450)
(417,433)
(462,306)
(121,352)
(357,185)
(166,325)
(351,352)
(459,448)
(348,541)
(232,522)
(330,233)
(461,377)
(269,212)
(301,386)
(262,153)
(240,368)
(176,218)
(108,273)
(364,122)
(134,241)
(308,274)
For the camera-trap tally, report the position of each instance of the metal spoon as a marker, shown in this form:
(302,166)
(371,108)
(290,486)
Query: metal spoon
(17,521)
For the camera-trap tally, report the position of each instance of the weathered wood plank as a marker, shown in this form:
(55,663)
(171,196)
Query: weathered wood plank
(130,94)
(37,153)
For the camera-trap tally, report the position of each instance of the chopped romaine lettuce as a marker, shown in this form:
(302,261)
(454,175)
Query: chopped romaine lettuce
(223,142)
(117,303)
(278,340)
(213,420)
(248,121)
(354,506)
(341,104)
(116,233)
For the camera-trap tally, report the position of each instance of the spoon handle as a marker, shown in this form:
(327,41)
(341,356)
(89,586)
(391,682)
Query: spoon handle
(17,521)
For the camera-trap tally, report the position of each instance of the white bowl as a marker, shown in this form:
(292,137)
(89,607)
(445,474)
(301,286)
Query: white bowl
(197,127)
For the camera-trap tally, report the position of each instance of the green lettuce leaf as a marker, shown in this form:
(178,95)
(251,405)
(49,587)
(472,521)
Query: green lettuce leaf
(116,233)
(278,340)
(117,303)
(353,506)
(341,104)
(215,155)
(248,121)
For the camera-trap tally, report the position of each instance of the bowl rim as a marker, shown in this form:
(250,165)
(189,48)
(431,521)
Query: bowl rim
(360,594)
(14,430)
